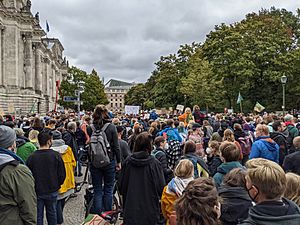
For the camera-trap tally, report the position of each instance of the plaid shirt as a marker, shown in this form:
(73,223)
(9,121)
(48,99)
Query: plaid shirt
(173,153)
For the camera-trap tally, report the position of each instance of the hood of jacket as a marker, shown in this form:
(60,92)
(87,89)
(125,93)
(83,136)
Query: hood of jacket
(281,213)
(8,156)
(275,134)
(233,192)
(224,168)
(59,146)
(270,144)
(140,159)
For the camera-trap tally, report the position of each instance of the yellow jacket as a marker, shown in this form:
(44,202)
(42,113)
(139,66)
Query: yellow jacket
(167,204)
(69,162)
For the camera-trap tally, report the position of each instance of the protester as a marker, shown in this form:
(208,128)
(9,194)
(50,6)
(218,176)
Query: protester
(264,146)
(67,188)
(292,191)
(186,117)
(291,161)
(278,136)
(229,136)
(230,155)
(207,133)
(199,204)
(33,138)
(184,173)
(198,115)
(219,134)
(292,130)
(213,157)
(69,137)
(49,173)
(17,195)
(51,125)
(200,167)
(235,199)
(266,183)
(24,146)
(197,137)
(124,148)
(81,143)
(141,173)
(103,179)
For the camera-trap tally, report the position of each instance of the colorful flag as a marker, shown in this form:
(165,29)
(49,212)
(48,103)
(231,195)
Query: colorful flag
(240,98)
(258,107)
(47,27)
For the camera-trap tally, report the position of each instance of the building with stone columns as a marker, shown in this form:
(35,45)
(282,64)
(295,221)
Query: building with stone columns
(31,65)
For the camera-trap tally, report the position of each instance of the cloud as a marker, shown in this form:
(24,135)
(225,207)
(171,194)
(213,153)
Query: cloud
(122,39)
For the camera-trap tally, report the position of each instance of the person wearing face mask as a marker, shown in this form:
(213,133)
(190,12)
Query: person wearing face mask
(17,195)
(49,172)
(159,153)
(266,184)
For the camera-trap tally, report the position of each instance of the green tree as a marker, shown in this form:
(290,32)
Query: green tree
(136,96)
(93,89)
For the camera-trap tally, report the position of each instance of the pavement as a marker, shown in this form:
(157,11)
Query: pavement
(74,208)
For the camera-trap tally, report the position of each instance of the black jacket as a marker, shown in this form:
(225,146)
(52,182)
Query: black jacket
(48,170)
(70,139)
(161,156)
(280,139)
(141,185)
(213,163)
(235,205)
(292,163)
(274,213)
(112,137)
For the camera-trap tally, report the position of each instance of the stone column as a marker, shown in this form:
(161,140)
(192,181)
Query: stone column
(27,38)
(1,55)
(38,68)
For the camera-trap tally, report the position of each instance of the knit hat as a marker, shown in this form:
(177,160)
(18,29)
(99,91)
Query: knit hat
(7,136)
(56,135)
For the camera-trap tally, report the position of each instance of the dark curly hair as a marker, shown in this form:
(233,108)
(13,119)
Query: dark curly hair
(196,205)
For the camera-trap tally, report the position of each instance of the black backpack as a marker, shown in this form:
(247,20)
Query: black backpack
(99,147)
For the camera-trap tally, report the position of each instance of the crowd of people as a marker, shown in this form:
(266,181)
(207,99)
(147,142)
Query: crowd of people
(189,169)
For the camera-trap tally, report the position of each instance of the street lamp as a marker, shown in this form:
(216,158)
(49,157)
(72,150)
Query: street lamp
(283,81)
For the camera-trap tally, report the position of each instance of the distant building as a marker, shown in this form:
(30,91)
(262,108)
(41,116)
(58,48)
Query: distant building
(115,91)
(31,65)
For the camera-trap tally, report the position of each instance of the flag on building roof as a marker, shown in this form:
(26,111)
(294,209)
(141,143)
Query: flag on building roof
(47,27)
(240,98)
(258,107)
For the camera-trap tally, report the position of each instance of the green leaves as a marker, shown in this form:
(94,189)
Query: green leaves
(93,89)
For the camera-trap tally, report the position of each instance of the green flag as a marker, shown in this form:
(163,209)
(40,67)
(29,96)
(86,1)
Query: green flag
(258,107)
(240,98)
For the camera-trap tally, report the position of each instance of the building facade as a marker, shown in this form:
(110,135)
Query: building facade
(31,65)
(115,91)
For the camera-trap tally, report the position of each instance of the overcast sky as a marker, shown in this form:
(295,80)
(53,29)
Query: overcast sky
(122,39)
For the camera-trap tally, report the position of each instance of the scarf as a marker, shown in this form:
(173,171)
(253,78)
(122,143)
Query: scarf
(177,185)
(12,154)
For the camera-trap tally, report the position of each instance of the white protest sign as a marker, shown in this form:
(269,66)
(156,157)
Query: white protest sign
(180,107)
(132,109)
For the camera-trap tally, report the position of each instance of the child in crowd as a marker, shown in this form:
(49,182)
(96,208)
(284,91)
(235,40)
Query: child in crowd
(184,173)
(213,157)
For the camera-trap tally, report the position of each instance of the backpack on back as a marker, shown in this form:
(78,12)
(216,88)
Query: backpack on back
(99,147)
(245,143)
(199,170)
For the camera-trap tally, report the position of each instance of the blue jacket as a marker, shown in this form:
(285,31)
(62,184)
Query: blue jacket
(265,147)
(225,168)
(175,135)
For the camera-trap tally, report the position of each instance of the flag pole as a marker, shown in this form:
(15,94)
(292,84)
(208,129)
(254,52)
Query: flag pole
(241,107)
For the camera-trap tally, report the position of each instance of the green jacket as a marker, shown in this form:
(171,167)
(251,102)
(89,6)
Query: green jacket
(17,194)
(25,150)
(225,168)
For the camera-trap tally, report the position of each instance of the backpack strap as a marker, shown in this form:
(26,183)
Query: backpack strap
(105,127)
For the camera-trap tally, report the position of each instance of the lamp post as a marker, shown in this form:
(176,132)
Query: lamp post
(283,81)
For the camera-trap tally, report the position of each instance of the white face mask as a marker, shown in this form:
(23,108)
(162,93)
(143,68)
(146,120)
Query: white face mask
(208,151)
(166,147)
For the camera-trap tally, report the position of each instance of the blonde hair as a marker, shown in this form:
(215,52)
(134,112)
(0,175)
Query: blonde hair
(188,110)
(292,191)
(33,136)
(228,136)
(267,176)
(214,146)
(263,129)
(184,169)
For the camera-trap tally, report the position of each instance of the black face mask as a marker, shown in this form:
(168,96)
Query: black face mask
(253,199)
